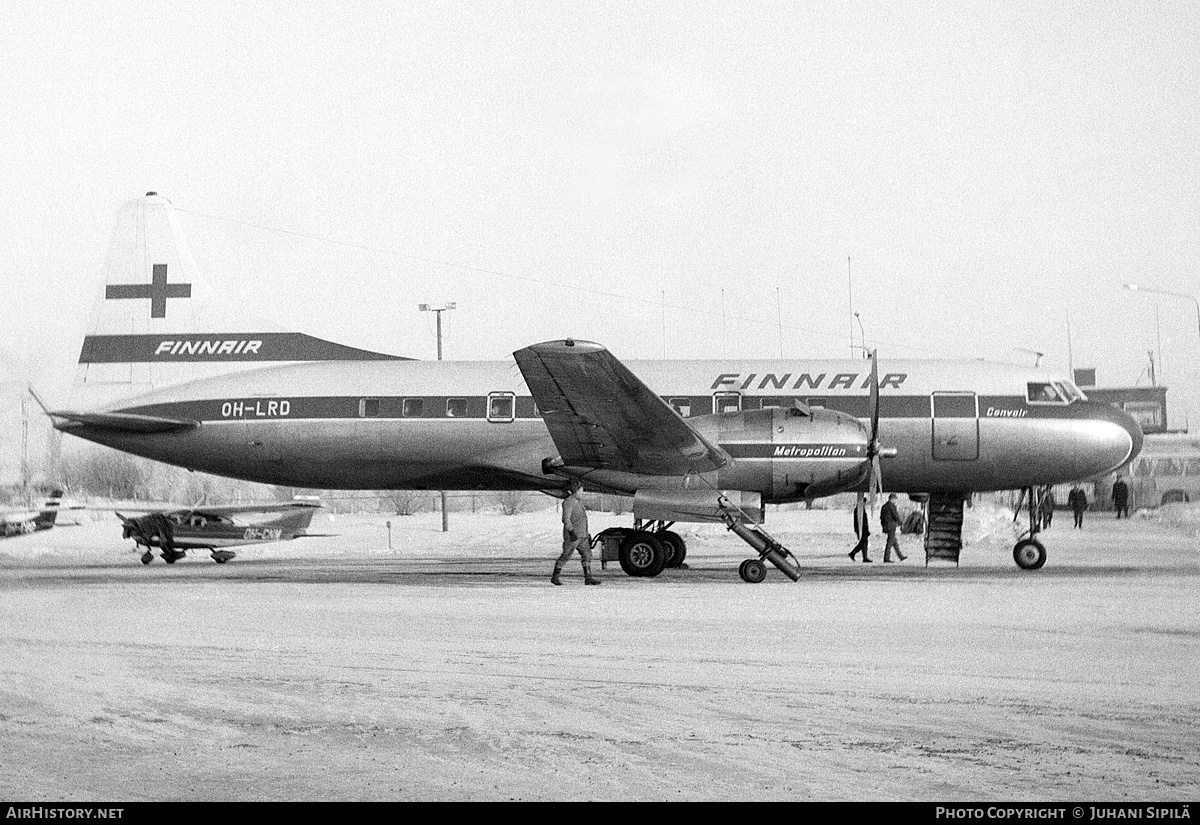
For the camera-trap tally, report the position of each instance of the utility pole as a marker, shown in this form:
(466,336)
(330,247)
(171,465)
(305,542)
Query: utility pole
(438,312)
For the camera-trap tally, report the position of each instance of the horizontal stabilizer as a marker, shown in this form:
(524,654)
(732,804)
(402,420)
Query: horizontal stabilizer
(125,422)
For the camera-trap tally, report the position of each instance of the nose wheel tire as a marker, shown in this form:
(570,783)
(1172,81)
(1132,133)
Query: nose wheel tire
(1029,554)
(147,557)
(752,571)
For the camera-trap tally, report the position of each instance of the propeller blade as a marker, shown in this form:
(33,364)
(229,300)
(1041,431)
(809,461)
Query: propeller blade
(875,480)
(875,483)
(874,400)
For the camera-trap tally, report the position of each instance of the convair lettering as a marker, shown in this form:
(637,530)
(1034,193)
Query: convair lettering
(1001,412)
(256,408)
(211,346)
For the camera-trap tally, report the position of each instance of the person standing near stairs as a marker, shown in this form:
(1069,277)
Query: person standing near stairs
(1078,501)
(862,529)
(889,520)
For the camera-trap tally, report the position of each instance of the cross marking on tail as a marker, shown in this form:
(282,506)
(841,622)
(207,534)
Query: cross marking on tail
(158,291)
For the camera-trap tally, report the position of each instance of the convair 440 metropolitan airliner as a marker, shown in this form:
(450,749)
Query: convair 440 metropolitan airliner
(694,440)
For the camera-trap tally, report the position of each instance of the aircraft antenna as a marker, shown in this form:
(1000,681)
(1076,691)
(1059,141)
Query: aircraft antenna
(723,336)
(779,315)
(850,292)
(1070,351)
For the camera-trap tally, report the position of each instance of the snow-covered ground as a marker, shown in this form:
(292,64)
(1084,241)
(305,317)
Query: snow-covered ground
(447,667)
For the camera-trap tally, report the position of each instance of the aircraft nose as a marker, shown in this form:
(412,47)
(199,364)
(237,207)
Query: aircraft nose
(1116,438)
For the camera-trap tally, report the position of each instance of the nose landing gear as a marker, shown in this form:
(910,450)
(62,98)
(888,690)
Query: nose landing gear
(1029,553)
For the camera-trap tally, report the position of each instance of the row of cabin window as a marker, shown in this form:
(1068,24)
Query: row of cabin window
(500,407)
(945,404)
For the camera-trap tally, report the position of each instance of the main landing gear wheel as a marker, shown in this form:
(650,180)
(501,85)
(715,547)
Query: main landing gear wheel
(642,555)
(675,546)
(1029,554)
(752,571)
(147,557)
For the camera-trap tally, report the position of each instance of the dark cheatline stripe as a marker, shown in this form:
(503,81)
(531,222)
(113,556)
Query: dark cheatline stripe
(239,346)
(475,407)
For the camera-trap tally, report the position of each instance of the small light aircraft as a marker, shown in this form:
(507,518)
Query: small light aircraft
(699,440)
(215,528)
(24,522)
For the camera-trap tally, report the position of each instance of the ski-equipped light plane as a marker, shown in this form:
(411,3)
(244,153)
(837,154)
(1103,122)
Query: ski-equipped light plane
(688,440)
(216,528)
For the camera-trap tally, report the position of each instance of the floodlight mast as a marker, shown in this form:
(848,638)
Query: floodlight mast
(438,311)
(1192,298)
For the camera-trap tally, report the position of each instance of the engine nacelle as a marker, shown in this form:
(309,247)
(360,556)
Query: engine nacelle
(780,455)
(790,453)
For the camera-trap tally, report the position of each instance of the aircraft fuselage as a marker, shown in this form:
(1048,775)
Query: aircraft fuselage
(954,425)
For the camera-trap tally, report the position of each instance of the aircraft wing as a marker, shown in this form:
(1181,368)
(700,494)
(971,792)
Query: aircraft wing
(602,416)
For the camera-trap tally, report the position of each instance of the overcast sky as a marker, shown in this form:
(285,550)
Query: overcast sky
(990,169)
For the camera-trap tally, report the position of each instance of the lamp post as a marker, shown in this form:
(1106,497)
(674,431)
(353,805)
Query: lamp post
(863,333)
(1192,298)
(438,311)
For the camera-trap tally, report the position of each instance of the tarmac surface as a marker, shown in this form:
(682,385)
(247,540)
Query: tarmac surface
(452,670)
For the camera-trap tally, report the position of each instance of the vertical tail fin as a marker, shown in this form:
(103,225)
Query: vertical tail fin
(157,324)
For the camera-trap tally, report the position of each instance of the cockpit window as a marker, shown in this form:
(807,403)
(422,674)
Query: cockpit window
(1044,392)
(1071,392)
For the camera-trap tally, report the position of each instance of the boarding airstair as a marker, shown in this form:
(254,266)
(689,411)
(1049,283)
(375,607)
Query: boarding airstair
(943,533)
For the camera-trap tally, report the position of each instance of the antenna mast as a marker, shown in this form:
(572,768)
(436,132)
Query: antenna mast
(850,292)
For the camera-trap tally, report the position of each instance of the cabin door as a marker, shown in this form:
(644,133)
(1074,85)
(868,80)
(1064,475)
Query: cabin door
(955,426)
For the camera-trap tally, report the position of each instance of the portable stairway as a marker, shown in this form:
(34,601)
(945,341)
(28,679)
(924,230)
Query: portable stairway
(943,531)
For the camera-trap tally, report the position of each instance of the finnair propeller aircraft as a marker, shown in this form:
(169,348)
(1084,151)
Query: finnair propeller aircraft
(700,440)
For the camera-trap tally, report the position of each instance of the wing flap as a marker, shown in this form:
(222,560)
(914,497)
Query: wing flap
(602,416)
